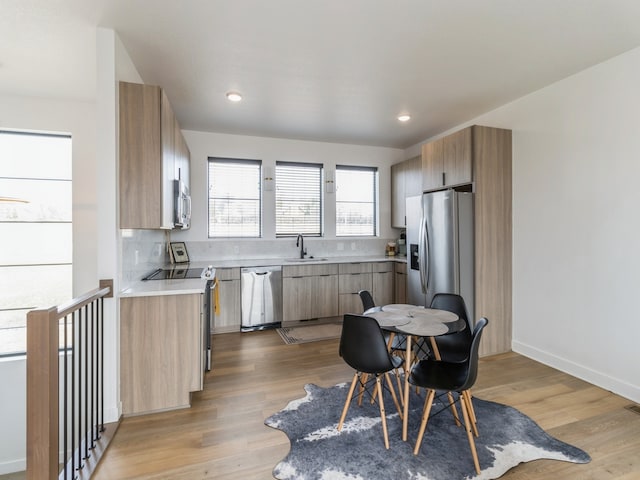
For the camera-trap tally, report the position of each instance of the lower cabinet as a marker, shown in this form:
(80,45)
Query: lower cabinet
(383,280)
(400,283)
(161,351)
(309,291)
(353,278)
(229,316)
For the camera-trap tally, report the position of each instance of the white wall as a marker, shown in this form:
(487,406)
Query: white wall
(77,119)
(204,145)
(576,227)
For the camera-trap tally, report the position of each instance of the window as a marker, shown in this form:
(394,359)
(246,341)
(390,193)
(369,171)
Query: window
(36,230)
(298,199)
(356,201)
(234,198)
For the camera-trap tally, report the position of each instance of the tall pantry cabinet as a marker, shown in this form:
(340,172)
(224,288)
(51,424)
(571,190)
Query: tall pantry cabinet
(152,152)
(479,158)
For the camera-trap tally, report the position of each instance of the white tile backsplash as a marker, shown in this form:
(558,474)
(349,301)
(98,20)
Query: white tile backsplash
(284,248)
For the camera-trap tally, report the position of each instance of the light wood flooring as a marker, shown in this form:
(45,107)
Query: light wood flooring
(222,436)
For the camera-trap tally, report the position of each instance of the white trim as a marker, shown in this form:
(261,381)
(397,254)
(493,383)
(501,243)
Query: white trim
(615,385)
(13,466)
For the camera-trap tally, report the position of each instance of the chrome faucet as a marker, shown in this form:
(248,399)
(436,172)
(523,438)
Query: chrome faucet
(300,243)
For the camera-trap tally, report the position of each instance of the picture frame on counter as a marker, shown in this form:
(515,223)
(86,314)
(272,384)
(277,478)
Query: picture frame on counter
(178,252)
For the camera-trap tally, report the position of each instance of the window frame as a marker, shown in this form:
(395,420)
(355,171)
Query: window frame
(210,198)
(375,199)
(321,198)
(59,292)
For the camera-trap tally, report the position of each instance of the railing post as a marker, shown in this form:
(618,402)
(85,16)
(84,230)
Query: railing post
(42,394)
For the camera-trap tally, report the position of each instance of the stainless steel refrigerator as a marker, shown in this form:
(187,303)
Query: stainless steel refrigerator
(440,247)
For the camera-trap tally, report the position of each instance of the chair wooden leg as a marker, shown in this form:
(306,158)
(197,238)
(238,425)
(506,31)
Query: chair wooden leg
(348,401)
(454,410)
(400,390)
(425,417)
(383,416)
(472,443)
(466,396)
(365,377)
(390,344)
(393,394)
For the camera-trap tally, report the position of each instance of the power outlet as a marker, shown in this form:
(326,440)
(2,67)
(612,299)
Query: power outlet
(340,246)
(353,245)
(236,249)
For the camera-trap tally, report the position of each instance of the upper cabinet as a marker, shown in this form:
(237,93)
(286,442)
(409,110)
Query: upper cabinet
(406,181)
(447,161)
(152,153)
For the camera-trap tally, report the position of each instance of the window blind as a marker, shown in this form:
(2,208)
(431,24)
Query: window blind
(298,199)
(234,198)
(356,201)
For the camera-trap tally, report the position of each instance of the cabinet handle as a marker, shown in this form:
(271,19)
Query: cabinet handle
(443,179)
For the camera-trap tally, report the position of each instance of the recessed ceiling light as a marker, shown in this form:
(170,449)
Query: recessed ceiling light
(234,96)
(404,117)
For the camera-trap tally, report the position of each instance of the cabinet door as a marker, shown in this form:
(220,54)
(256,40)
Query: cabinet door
(140,151)
(326,292)
(182,157)
(167,125)
(296,298)
(398,195)
(432,164)
(161,348)
(228,318)
(413,177)
(310,297)
(350,285)
(457,158)
(400,283)
(382,291)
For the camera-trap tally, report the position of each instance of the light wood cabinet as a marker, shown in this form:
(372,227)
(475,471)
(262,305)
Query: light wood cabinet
(491,151)
(398,195)
(150,141)
(309,292)
(400,283)
(447,161)
(228,318)
(479,159)
(406,181)
(161,351)
(432,164)
(353,278)
(382,283)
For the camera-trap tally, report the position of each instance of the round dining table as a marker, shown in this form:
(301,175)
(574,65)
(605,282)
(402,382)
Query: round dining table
(415,321)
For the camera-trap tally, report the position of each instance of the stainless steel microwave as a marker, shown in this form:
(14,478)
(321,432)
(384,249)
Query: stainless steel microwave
(182,201)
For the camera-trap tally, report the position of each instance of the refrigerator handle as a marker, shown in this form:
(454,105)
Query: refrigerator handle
(423,255)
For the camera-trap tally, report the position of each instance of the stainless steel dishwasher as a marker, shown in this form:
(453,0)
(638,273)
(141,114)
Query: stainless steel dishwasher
(261,305)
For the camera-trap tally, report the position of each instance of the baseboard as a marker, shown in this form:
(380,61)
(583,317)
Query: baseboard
(13,466)
(615,385)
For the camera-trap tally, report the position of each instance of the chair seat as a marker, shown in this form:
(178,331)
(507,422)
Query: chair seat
(439,375)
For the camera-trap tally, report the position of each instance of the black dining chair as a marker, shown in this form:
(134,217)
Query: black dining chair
(451,377)
(453,347)
(395,341)
(363,348)
(367,301)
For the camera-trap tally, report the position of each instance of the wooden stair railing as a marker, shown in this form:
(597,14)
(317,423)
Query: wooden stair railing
(65,363)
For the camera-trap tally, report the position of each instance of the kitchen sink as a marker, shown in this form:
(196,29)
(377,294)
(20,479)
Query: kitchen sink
(304,260)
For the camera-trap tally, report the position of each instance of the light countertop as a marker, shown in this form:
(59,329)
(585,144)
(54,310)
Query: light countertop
(197,285)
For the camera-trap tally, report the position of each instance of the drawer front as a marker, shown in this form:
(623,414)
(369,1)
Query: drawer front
(228,273)
(309,270)
(401,267)
(382,267)
(355,282)
(364,267)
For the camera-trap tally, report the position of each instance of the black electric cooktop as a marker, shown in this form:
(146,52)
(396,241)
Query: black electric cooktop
(174,273)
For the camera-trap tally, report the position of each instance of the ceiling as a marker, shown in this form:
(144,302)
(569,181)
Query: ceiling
(324,70)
